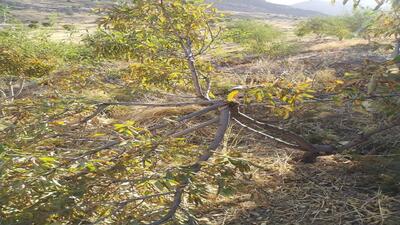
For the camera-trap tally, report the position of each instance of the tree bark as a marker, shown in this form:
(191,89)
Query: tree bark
(192,66)
(396,51)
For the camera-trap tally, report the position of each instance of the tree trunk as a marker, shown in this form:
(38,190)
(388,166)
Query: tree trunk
(187,47)
(396,51)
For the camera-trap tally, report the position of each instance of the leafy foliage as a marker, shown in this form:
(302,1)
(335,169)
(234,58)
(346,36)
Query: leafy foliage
(258,37)
(56,169)
(156,37)
(342,27)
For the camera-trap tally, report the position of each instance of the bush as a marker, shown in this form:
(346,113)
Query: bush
(258,37)
(325,26)
(33,54)
(341,27)
(316,26)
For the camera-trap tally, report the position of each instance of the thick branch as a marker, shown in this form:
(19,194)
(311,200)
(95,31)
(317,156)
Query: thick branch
(284,134)
(224,119)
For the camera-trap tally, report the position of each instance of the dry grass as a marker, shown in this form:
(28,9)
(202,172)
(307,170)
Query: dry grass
(338,45)
(333,191)
(286,192)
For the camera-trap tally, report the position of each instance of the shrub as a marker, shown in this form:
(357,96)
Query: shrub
(258,37)
(341,27)
(33,54)
(316,26)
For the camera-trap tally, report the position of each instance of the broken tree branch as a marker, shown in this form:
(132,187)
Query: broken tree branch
(191,115)
(102,106)
(277,131)
(224,119)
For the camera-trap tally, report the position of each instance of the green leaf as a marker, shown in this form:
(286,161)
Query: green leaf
(90,167)
(227,191)
(2,148)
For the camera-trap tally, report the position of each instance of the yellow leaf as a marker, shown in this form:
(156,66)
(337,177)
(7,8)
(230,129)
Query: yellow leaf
(98,135)
(305,95)
(339,81)
(211,95)
(60,123)
(231,96)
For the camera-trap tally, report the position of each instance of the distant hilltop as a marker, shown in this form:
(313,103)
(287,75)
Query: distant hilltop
(77,11)
(261,6)
(325,7)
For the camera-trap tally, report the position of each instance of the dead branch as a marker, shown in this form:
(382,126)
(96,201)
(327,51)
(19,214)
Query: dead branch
(265,135)
(99,110)
(364,137)
(215,106)
(190,116)
(102,106)
(176,104)
(284,134)
(20,89)
(194,128)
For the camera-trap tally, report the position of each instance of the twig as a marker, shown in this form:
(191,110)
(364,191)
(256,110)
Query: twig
(102,106)
(21,87)
(191,115)
(265,135)
(300,141)
(176,104)
(364,137)
(194,128)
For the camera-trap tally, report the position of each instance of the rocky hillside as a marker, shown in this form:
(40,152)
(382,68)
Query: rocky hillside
(73,10)
(325,7)
(261,6)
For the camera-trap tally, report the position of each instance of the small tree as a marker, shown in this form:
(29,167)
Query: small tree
(387,23)
(316,26)
(5,13)
(163,39)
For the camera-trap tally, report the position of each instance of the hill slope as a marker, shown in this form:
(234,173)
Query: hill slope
(78,11)
(324,7)
(261,6)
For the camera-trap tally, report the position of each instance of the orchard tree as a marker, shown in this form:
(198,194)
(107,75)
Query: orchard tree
(5,13)
(387,23)
(162,40)
(21,60)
